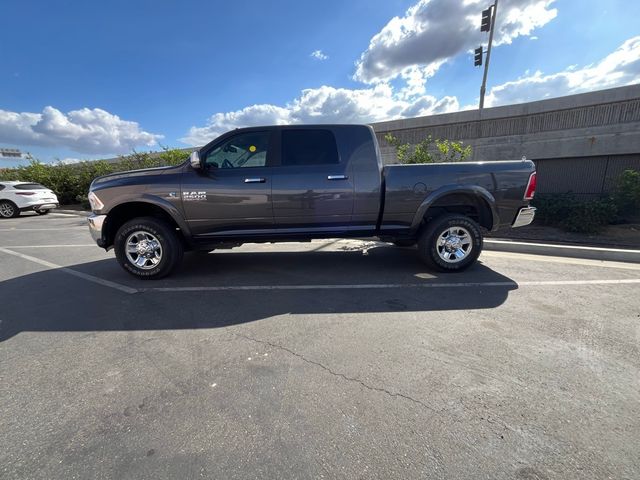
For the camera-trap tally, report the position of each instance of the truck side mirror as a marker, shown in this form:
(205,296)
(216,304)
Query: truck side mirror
(194,160)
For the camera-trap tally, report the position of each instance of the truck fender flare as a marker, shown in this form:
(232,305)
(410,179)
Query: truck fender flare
(473,190)
(170,208)
(161,203)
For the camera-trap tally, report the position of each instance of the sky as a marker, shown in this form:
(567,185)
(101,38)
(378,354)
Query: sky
(85,79)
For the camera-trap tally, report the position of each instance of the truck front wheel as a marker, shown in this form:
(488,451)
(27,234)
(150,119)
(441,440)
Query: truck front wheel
(147,248)
(450,243)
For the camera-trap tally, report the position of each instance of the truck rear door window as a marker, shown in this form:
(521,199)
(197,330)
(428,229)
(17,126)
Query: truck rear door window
(309,147)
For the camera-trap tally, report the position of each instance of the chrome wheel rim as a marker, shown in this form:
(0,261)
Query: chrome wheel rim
(454,244)
(143,250)
(6,209)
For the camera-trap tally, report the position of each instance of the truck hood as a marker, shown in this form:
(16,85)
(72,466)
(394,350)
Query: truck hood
(132,175)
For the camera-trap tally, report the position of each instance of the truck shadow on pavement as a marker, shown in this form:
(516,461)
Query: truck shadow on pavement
(55,301)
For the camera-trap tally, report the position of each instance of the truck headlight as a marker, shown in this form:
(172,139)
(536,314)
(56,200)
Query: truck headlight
(95,202)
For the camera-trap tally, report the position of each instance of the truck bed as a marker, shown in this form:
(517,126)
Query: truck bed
(407,187)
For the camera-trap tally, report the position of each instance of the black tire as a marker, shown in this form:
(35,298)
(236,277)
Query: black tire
(404,242)
(42,212)
(432,253)
(8,209)
(171,247)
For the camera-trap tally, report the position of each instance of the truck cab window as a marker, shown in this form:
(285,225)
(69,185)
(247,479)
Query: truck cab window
(309,147)
(244,150)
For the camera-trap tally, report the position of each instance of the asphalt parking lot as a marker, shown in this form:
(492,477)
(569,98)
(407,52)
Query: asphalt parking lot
(331,359)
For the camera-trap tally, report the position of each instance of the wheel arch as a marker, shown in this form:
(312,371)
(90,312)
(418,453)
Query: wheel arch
(146,207)
(10,201)
(471,200)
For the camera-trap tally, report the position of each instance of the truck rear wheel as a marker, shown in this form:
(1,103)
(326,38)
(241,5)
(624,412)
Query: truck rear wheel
(147,248)
(450,243)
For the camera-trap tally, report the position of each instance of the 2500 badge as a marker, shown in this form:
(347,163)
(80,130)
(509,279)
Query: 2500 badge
(194,196)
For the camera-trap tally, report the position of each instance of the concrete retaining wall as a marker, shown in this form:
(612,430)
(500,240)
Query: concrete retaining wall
(580,143)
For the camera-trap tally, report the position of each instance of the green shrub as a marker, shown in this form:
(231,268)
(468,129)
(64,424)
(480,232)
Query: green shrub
(589,216)
(429,150)
(552,209)
(71,182)
(83,200)
(573,214)
(626,194)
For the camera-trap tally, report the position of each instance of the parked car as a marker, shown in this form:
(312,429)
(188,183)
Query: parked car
(16,197)
(284,183)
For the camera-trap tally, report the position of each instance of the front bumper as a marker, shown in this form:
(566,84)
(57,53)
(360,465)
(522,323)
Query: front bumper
(525,217)
(96,223)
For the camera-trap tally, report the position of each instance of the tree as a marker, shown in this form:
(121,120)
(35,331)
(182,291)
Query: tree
(429,150)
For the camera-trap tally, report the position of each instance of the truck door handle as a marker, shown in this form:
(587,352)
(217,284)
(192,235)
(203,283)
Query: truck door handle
(254,180)
(337,177)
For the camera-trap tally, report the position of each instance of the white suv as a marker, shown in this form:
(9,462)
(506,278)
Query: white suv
(16,197)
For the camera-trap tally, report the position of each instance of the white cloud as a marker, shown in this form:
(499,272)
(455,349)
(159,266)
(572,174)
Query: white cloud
(326,105)
(433,31)
(219,123)
(69,161)
(379,102)
(319,55)
(86,130)
(621,67)
(412,48)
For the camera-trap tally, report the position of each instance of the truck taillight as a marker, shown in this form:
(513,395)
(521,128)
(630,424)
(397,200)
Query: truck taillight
(531,187)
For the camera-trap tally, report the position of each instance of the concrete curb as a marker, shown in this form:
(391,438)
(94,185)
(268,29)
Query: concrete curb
(572,251)
(80,213)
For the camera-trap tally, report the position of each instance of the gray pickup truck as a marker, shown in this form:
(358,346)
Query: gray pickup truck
(297,183)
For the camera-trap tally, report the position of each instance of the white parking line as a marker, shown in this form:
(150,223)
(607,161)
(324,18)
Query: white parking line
(13,229)
(394,285)
(52,246)
(75,273)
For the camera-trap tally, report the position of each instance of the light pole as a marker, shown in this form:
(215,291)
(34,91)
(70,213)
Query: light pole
(488,24)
